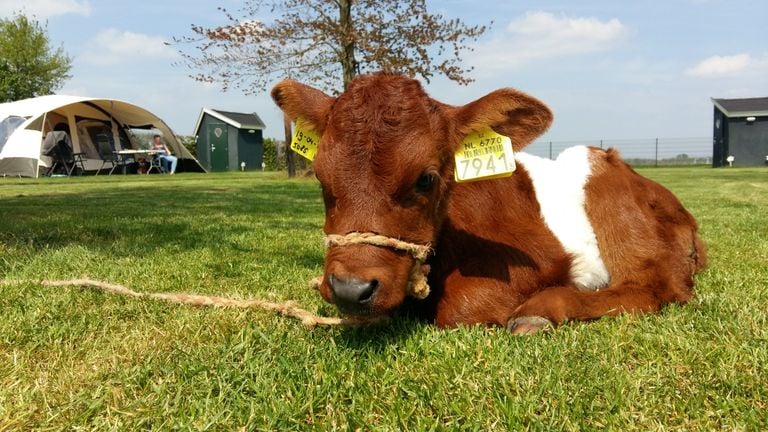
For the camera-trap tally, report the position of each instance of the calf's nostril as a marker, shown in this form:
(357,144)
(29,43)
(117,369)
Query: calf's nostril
(368,291)
(352,291)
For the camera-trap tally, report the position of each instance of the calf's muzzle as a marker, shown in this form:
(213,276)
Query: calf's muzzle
(356,295)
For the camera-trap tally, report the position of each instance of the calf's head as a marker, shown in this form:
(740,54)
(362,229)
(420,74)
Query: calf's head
(385,165)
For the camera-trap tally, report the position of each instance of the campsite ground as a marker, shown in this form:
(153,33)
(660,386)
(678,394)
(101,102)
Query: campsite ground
(76,358)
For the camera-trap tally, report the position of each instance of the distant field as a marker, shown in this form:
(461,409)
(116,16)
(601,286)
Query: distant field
(84,360)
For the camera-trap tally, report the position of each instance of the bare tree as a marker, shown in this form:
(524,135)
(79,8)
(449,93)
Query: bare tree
(326,43)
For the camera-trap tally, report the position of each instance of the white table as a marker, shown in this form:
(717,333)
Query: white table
(135,153)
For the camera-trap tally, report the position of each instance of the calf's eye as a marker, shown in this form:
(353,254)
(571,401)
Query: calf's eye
(426,182)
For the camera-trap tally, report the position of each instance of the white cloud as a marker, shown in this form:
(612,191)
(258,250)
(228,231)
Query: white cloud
(721,66)
(70,90)
(538,35)
(43,9)
(112,46)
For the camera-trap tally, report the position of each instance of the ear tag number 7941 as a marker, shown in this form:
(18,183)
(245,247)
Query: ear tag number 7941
(482,155)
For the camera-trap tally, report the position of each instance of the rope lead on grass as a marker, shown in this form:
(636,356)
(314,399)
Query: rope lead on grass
(288,308)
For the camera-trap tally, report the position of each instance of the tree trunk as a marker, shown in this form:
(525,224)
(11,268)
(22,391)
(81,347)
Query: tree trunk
(348,62)
(289,154)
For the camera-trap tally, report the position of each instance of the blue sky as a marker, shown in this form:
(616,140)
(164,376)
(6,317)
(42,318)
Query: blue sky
(609,69)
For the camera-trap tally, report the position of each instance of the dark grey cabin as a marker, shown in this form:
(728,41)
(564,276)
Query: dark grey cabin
(229,141)
(741,131)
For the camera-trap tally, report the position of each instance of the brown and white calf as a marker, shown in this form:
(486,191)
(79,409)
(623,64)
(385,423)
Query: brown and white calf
(577,238)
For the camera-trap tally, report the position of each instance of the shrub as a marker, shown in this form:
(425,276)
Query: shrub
(273,159)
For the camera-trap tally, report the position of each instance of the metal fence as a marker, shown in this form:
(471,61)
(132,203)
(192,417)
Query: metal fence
(639,152)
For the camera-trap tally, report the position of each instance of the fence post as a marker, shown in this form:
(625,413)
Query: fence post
(550,150)
(656,158)
(601,143)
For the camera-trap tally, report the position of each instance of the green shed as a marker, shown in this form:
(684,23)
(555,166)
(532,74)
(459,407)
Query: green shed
(740,132)
(229,141)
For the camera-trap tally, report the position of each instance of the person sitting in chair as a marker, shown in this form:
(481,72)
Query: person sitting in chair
(166,158)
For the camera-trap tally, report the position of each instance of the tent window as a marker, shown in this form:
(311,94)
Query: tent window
(7,126)
(142,136)
(91,132)
(37,124)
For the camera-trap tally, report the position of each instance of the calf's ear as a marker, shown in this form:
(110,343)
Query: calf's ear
(300,101)
(509,112)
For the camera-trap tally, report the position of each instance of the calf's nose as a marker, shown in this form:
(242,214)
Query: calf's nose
(352,295)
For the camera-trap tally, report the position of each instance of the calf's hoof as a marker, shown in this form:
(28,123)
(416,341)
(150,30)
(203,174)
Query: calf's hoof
(528,325)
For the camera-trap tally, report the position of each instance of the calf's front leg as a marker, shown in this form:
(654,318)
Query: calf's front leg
(555,305)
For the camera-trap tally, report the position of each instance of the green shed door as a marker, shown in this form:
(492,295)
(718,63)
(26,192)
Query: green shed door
(219,145)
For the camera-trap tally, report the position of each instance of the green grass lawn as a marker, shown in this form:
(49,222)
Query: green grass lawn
(73,358)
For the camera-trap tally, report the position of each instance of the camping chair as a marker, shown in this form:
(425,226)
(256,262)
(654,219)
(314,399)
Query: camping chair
(107,155)
(157,163)
(63,155)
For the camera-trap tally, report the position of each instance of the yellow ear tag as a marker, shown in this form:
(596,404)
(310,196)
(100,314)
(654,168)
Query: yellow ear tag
(484,155)
(305,140)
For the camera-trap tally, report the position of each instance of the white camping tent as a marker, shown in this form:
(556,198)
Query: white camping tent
(24,125)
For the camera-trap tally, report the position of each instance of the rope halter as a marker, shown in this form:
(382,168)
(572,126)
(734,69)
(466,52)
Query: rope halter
(417,280)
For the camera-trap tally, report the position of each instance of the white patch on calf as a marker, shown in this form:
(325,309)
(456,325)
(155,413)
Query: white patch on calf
(559,187)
